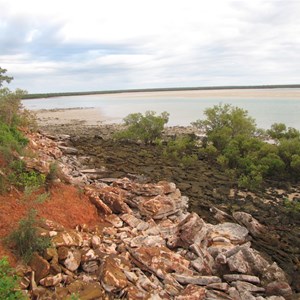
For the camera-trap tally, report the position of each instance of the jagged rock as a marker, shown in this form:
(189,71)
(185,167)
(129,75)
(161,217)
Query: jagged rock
(134,222)
(161,261)
(238,263)
(237,234)
(40,266)
(68,238)
(114,220)
(222,286)
(72,262)
(279,288)
(242,277)
(218,295)
(114,198)
(199,280)
(51,280)
(100,205)
(192,230)
(148,241)
(161,206)
(242,286)
(192,292)
(68,150)
(111,275)
(245,219)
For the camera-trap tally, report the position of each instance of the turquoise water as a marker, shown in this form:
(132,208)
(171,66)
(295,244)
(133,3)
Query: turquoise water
(183,110)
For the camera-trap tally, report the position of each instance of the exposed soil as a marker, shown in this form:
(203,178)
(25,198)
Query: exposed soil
(66,205)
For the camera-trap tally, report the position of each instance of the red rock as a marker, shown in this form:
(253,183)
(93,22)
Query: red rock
(40,266)
(114,198)
(279,288)
(161,261)
(192,292)
(111,275)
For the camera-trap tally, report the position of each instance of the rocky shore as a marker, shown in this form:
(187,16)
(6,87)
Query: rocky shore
(148,246)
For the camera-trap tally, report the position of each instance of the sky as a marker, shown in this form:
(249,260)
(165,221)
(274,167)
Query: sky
(72,45)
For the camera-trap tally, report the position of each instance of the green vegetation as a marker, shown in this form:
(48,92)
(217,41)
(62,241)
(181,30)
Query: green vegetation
(24,179)
(146,128)
(9,282)
(237,145)
(181,149)
(25,239)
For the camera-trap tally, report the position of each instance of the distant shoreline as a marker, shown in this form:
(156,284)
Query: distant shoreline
(211,88)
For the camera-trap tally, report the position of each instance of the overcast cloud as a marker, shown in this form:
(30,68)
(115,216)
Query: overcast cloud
(67,45)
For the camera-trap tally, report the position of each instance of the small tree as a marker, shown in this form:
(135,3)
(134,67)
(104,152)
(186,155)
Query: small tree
(146,128)
(224,122)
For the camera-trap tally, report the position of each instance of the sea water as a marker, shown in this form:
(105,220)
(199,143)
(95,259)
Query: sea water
(183,110)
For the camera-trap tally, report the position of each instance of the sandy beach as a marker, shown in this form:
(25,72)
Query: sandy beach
(84,116)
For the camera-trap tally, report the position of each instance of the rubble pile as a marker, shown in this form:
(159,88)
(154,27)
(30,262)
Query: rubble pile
(150,247)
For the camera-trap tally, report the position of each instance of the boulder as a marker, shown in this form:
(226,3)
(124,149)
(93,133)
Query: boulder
(67,238)
(40,266)
(160,261)
(245,219)
(72,262)
(192,292)
(236,233)
(112,276)
(279,288)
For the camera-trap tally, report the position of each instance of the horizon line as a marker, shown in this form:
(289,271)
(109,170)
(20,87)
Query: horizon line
(228,87)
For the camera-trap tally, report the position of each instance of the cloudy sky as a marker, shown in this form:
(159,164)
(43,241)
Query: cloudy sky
(73,45)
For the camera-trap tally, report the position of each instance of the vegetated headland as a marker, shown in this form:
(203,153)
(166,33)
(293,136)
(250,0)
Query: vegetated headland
(172,89)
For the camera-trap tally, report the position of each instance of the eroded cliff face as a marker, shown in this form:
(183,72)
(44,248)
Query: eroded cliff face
(147,245)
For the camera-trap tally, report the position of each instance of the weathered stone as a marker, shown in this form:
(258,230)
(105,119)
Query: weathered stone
(242,286)
(51,280)
(218,295)
(161,261)
(68,238)
(88,255)
(238,263)
(61,292)
(134,222)
(100,205)
(279,288)
(222,286)
(193,230)
(114,198)
(158,207)
(199,280)
(96,241)
(40,266)
(242,277)
(92,291)
(114,220)
(72,262)
(148,241)
(134,293)
(111,275)
(273,273)
(245,219)
(68,150)
(237,234)
(192,292)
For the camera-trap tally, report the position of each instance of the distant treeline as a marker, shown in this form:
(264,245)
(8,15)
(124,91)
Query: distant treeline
(49,95)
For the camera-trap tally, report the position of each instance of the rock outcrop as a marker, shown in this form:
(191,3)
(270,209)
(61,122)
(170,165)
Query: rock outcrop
(149,247)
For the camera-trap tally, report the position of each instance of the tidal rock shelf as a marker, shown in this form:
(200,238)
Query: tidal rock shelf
(148,245)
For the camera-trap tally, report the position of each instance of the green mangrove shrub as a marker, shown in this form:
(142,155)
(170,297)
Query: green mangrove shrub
(146,128)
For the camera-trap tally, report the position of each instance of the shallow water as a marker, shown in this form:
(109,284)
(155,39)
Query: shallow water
(266,108)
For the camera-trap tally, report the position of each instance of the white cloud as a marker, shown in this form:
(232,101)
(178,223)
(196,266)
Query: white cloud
(139,43)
